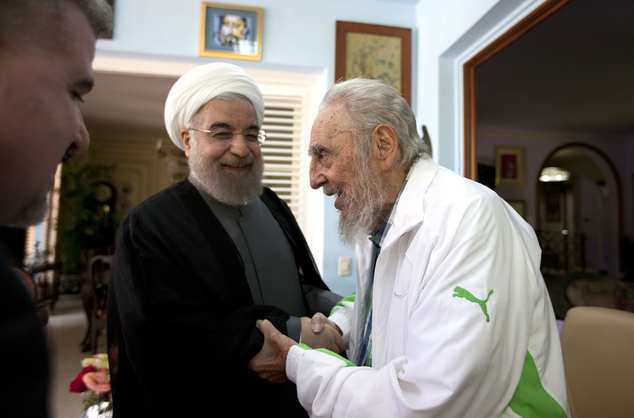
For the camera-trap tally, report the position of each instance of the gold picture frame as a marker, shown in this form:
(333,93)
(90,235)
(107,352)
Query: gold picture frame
(231,31)
(509,166)
(375,51)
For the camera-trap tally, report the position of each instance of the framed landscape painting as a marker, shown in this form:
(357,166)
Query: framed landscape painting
(375,51)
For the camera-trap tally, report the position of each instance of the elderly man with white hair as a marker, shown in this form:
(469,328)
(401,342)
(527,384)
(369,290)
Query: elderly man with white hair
(198,263)
(452,317)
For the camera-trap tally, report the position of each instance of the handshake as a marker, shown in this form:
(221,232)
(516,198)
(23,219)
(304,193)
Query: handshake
(317,332)
(320,332)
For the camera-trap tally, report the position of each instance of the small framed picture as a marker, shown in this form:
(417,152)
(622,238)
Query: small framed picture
(519,206)
(509,166)
(231,31)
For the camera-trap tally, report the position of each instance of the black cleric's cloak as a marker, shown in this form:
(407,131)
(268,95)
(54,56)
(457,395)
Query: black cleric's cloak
(181,319)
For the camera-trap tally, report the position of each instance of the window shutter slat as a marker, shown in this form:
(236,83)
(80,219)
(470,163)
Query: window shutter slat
(282,124)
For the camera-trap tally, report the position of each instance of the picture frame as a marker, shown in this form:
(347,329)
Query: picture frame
(231,31)
(509,166)
(375,51)
(519,206)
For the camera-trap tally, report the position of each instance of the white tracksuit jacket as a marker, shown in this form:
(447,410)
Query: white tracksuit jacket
(462,322)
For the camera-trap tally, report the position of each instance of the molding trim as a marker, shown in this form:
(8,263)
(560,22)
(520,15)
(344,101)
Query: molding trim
(506,38)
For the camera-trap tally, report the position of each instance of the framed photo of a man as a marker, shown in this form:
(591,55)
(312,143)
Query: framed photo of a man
(231,31)
(509,166)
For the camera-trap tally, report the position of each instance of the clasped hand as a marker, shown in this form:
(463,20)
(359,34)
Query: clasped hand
(320,332)
(270,362)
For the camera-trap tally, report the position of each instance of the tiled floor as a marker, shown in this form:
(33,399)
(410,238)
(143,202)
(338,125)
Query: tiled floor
(66,328)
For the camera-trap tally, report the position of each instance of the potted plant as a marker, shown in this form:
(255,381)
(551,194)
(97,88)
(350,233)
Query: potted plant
(87,220)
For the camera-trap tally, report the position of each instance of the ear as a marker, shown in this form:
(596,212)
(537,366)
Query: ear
(185,140)
(385,147)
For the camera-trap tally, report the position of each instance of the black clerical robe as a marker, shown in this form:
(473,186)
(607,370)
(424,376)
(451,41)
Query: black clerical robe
(181,316)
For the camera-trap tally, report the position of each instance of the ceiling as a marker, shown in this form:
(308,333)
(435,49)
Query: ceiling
(572,72)
(127,100)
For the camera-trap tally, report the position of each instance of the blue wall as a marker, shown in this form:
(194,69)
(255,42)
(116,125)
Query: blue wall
(297,35)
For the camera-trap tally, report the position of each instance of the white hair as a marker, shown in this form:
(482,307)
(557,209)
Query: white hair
(371,103)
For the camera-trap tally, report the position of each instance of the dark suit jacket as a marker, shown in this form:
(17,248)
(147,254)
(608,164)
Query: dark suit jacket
(181,316)
(23,353)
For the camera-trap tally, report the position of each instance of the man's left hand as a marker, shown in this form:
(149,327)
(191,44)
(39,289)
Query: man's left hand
(270,362)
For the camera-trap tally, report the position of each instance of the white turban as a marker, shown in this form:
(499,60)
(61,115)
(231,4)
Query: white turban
(201,84)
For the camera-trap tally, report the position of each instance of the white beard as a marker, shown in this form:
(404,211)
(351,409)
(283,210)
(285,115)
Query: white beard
(228,188)
(365,200)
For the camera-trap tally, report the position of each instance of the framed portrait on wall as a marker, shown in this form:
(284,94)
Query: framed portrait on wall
(231,31)
(509,166)
(375,51)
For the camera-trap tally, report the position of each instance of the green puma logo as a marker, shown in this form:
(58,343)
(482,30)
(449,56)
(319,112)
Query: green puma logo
(463,293)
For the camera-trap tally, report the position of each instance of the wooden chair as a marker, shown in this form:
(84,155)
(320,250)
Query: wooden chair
(99,271)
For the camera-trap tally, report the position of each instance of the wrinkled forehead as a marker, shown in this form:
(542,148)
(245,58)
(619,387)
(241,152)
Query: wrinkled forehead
(331,121)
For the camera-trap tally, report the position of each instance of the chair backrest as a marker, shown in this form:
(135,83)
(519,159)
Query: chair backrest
(100,271)
(598,350)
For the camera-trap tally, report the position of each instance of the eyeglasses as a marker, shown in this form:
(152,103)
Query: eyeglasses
(225,136)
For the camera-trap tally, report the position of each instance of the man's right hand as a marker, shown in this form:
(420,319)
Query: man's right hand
(320,332)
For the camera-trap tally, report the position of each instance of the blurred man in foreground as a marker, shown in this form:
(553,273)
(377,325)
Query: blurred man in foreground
(46,52)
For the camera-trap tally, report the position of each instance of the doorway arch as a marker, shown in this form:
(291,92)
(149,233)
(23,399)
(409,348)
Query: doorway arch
(588,208)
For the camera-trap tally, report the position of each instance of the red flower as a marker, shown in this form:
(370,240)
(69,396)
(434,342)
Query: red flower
(77,385)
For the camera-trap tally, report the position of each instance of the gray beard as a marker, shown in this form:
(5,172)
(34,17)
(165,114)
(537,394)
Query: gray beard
(227,188)
(366,206)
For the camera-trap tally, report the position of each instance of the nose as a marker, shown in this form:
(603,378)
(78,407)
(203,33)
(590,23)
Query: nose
(317,177)
(239,146)
(81,141)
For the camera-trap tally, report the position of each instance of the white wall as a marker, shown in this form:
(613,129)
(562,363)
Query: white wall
(298,36)
(441,25)
(296,33)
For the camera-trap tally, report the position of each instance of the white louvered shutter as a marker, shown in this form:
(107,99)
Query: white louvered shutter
(281,150)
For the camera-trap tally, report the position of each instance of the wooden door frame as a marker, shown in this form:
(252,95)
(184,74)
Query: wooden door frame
(507,38)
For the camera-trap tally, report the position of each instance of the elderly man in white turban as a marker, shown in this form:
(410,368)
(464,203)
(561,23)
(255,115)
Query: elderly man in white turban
(199,262)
